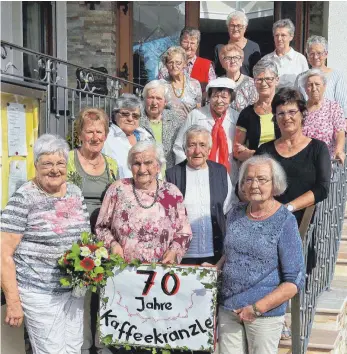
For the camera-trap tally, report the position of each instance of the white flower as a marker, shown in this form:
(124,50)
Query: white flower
(85,251)
(101,253)
(97,262)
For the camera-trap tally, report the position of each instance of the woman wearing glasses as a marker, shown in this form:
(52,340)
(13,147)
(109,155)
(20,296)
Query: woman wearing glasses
(262,265)
(336,87)
(255,125)
(184,92)
(237,23)
(125,131)
(231,57)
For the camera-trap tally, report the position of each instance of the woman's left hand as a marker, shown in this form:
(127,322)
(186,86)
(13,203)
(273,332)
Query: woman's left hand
(169,257)
(246,314)
(340,155)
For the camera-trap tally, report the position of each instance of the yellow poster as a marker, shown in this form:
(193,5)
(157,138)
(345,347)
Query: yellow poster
(30,108)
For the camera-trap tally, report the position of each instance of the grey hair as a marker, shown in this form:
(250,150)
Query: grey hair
(172,51)
(196,129)
(264,65)
(145,145)
(287,23)
(155,84)
(316,40)
(127,100)
(237,14)
(48,144)
(191,32)
(279,178)
(312,72)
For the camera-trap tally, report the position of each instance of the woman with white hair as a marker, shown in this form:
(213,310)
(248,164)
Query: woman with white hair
(184,92)
(135,221)
(162,123)
(237,23)
(262,265)
(290,63)
(125,131)
(336,87)
(41,220)
(324,119)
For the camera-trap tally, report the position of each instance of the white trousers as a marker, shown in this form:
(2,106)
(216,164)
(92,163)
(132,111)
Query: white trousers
(261,336)
(54,322)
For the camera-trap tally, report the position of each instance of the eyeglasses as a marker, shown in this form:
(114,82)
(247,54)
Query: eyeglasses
(126,114)
(316,54)
(260,181)
(237,27)
(185,43)
(174,63)
(268,80)
(50,165)
(223,97)
(236,58)
(291,113)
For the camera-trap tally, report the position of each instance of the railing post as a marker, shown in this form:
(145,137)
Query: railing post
(296,324)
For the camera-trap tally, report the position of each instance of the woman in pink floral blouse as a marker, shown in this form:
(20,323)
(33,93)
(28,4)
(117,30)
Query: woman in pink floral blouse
(325,119)
(143,217)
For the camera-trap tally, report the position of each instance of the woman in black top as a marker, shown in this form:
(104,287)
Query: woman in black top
(306,161)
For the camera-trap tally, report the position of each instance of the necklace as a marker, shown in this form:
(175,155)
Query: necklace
(138,200)
(90,163)
(38,185)
(265,110)
(238,77)
(261,216)
(174,89)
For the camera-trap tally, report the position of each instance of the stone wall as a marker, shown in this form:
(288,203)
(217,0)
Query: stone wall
(91,36)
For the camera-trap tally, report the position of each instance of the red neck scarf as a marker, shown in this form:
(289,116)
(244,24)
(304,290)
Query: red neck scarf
(219,141)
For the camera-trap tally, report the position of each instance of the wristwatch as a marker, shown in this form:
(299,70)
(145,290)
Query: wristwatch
(256,311)
(290,207)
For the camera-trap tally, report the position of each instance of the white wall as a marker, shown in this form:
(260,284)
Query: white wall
(337,36)
(12,31)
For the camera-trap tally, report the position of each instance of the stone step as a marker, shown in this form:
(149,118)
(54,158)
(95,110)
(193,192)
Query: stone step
(340,269)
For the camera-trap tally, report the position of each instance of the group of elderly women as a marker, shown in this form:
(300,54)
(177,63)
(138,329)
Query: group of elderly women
(169,180)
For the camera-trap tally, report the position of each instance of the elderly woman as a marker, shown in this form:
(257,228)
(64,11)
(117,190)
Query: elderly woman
(290,63)
(306,186)
(262,265)
(93,172)
(237,23)
(255,125)
(336,87)
(162,123)
(125,131)
(218,117)
(245,91)
(184,92)
(197,68)
(134,220)
(324,120)
(41,220)
(207,192)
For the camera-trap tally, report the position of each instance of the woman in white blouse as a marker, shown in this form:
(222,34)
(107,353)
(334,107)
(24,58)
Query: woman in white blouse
(208,194)
(125,131)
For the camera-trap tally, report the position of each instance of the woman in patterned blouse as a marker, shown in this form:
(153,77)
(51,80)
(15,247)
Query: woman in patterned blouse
(325,119)
(231,58)
(184,92)
(143,217)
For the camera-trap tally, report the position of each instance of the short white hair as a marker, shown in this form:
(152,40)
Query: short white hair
(156,84)
(279,179)
(264,65)
(48,144)
(146,145)
(239,15)
(193,130)
(316,40)
(285,23)
(312,72)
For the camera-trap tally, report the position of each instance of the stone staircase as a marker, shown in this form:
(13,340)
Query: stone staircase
(329,331)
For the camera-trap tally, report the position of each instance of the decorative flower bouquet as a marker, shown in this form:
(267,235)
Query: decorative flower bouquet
(88,264)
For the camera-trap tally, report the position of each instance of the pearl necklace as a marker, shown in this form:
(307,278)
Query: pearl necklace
(260,216)
(138,200)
